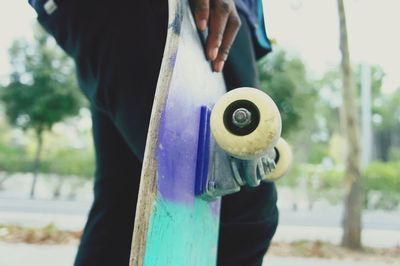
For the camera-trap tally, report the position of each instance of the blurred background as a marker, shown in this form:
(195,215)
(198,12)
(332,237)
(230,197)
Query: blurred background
(340,203)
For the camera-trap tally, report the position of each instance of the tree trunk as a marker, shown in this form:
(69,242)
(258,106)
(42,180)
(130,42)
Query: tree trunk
(36,163)
(58,187)
(353,201)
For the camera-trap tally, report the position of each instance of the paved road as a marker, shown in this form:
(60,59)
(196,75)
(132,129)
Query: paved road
(67,215)
(33,255)
(324,216)
(23,205)
(295,261)
(379,238)
(332,217)
(381,229)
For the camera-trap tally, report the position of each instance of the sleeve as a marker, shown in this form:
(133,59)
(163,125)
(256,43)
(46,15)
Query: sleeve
(261,31)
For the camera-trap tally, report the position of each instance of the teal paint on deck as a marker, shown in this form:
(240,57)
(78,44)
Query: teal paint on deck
(177,235)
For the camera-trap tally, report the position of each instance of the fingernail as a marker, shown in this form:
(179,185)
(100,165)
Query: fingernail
(213,54)
(219,66)
(202,25)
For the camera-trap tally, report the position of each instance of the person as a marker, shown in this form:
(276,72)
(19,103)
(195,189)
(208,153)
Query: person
(117,47)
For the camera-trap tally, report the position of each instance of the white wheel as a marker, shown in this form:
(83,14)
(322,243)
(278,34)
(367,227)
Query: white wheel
(246,123)
(284,160)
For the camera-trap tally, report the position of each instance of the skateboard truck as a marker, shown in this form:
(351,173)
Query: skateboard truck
(239,144)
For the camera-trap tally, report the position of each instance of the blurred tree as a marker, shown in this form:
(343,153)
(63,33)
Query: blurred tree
(377,76)
(386,114)
(353,201)
(42,89)
(385,109)
(286,81)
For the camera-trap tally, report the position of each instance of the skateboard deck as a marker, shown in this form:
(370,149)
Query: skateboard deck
(172,226)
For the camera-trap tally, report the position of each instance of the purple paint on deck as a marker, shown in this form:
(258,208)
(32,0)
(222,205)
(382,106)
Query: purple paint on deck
(192,85)
(176,151)
(172,59)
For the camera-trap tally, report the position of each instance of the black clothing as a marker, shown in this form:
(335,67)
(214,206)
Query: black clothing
(117,47)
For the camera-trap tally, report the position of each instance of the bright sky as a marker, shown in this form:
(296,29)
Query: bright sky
(16,20)
(308,28)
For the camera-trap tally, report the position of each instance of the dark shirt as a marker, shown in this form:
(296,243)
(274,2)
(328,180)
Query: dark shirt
(249,8)
(252,9)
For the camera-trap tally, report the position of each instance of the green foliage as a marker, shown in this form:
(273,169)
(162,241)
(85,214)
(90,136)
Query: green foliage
(79,162)
(66,162)
(285,80)
(380,178)
(318,153)
(314,175)
(384,106)
(14,159)
(316,181)
(377,76)
(394,154)
(387,107)
(384,178)
(42,88)
(385,111)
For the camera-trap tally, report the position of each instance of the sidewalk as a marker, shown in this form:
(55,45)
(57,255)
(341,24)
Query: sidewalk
(296,261)
(45,255)
(377,238)
(36,255)
(381,229)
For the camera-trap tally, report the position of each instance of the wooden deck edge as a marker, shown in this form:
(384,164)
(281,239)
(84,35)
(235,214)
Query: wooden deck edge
(148,181)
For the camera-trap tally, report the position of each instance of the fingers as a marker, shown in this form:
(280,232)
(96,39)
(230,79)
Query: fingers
(220,10)
(223,24)
(223,27)
(201,11)
(232,27)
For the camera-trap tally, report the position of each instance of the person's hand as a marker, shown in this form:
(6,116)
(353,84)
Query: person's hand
(223,22)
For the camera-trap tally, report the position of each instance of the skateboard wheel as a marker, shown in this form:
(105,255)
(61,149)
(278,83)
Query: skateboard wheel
(284,157)
(246,123)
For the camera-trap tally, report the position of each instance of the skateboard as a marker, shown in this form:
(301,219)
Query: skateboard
(202,143)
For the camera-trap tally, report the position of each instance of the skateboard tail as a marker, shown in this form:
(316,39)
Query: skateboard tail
(173,229)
